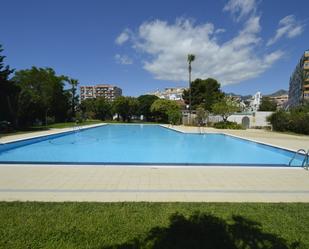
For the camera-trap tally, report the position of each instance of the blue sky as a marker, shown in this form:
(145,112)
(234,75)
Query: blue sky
(248,45)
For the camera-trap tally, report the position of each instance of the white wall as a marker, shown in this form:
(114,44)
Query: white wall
(257,119)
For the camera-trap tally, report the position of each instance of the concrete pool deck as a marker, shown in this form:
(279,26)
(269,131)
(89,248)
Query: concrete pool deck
(287,141)
(53,131)
(119,183)
(163,184)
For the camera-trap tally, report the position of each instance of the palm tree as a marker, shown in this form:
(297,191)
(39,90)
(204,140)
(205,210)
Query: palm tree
(191,57)
(74,97)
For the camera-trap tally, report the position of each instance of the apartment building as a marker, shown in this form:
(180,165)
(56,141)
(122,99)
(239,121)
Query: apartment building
(280,100)
(299,83)
(102,90)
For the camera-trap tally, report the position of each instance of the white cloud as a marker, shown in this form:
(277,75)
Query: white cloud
(167,45)
(123,59)
(240,8)
(123,37)
(218,31)
(287,27)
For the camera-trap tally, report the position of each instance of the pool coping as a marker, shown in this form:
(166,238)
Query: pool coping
(61,131)
(231,135)
(151,165)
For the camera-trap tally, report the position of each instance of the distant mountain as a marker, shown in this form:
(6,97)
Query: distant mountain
(278,93)
(246,97)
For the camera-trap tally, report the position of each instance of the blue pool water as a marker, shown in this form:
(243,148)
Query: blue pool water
(143,144)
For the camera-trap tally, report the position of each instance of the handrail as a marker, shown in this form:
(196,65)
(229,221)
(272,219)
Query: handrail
(200,130)
(306,158)
(76,128)
(305,163)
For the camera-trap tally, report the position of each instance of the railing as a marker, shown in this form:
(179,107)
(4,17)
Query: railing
(305,163)
(76,128)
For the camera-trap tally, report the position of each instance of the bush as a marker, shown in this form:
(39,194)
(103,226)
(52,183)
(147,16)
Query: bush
(166,111)
(228,125)
(279,121)
(174,116)
(297,120)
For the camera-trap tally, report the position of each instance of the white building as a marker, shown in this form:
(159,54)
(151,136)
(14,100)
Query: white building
(255,102)
(171,93)
(247,120)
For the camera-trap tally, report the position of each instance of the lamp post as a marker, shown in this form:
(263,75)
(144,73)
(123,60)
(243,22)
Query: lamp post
(191,57)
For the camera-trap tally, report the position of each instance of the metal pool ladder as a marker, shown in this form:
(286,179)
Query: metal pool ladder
(305,163)
(76,128)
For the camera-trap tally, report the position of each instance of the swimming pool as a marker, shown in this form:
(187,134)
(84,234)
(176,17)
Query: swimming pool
(142,145)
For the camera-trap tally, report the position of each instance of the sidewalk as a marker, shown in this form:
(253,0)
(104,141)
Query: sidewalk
(164,184)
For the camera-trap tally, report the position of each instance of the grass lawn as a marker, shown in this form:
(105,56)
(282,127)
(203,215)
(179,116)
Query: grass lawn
(51,126)
(154,225)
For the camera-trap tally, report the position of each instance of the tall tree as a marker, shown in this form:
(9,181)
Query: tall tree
(103,108)
(88,108)
(166,111)
(73,92)
(145,102)
(8,93)
(225,108)
(268,105)
(41,95)
(204,93)
(190,59)
(126,107)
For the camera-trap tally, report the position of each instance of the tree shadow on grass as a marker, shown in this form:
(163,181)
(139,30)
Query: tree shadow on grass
(208,232)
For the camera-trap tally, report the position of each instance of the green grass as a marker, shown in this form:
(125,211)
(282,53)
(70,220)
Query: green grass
(153,225)
(51,126)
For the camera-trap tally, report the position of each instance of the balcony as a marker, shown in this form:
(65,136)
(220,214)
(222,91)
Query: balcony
(306,87)
(307,53)
(306,65)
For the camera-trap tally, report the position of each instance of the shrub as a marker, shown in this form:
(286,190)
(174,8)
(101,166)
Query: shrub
(297,120)
(174,116)
(228,125)
(165,111)
(279,121)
